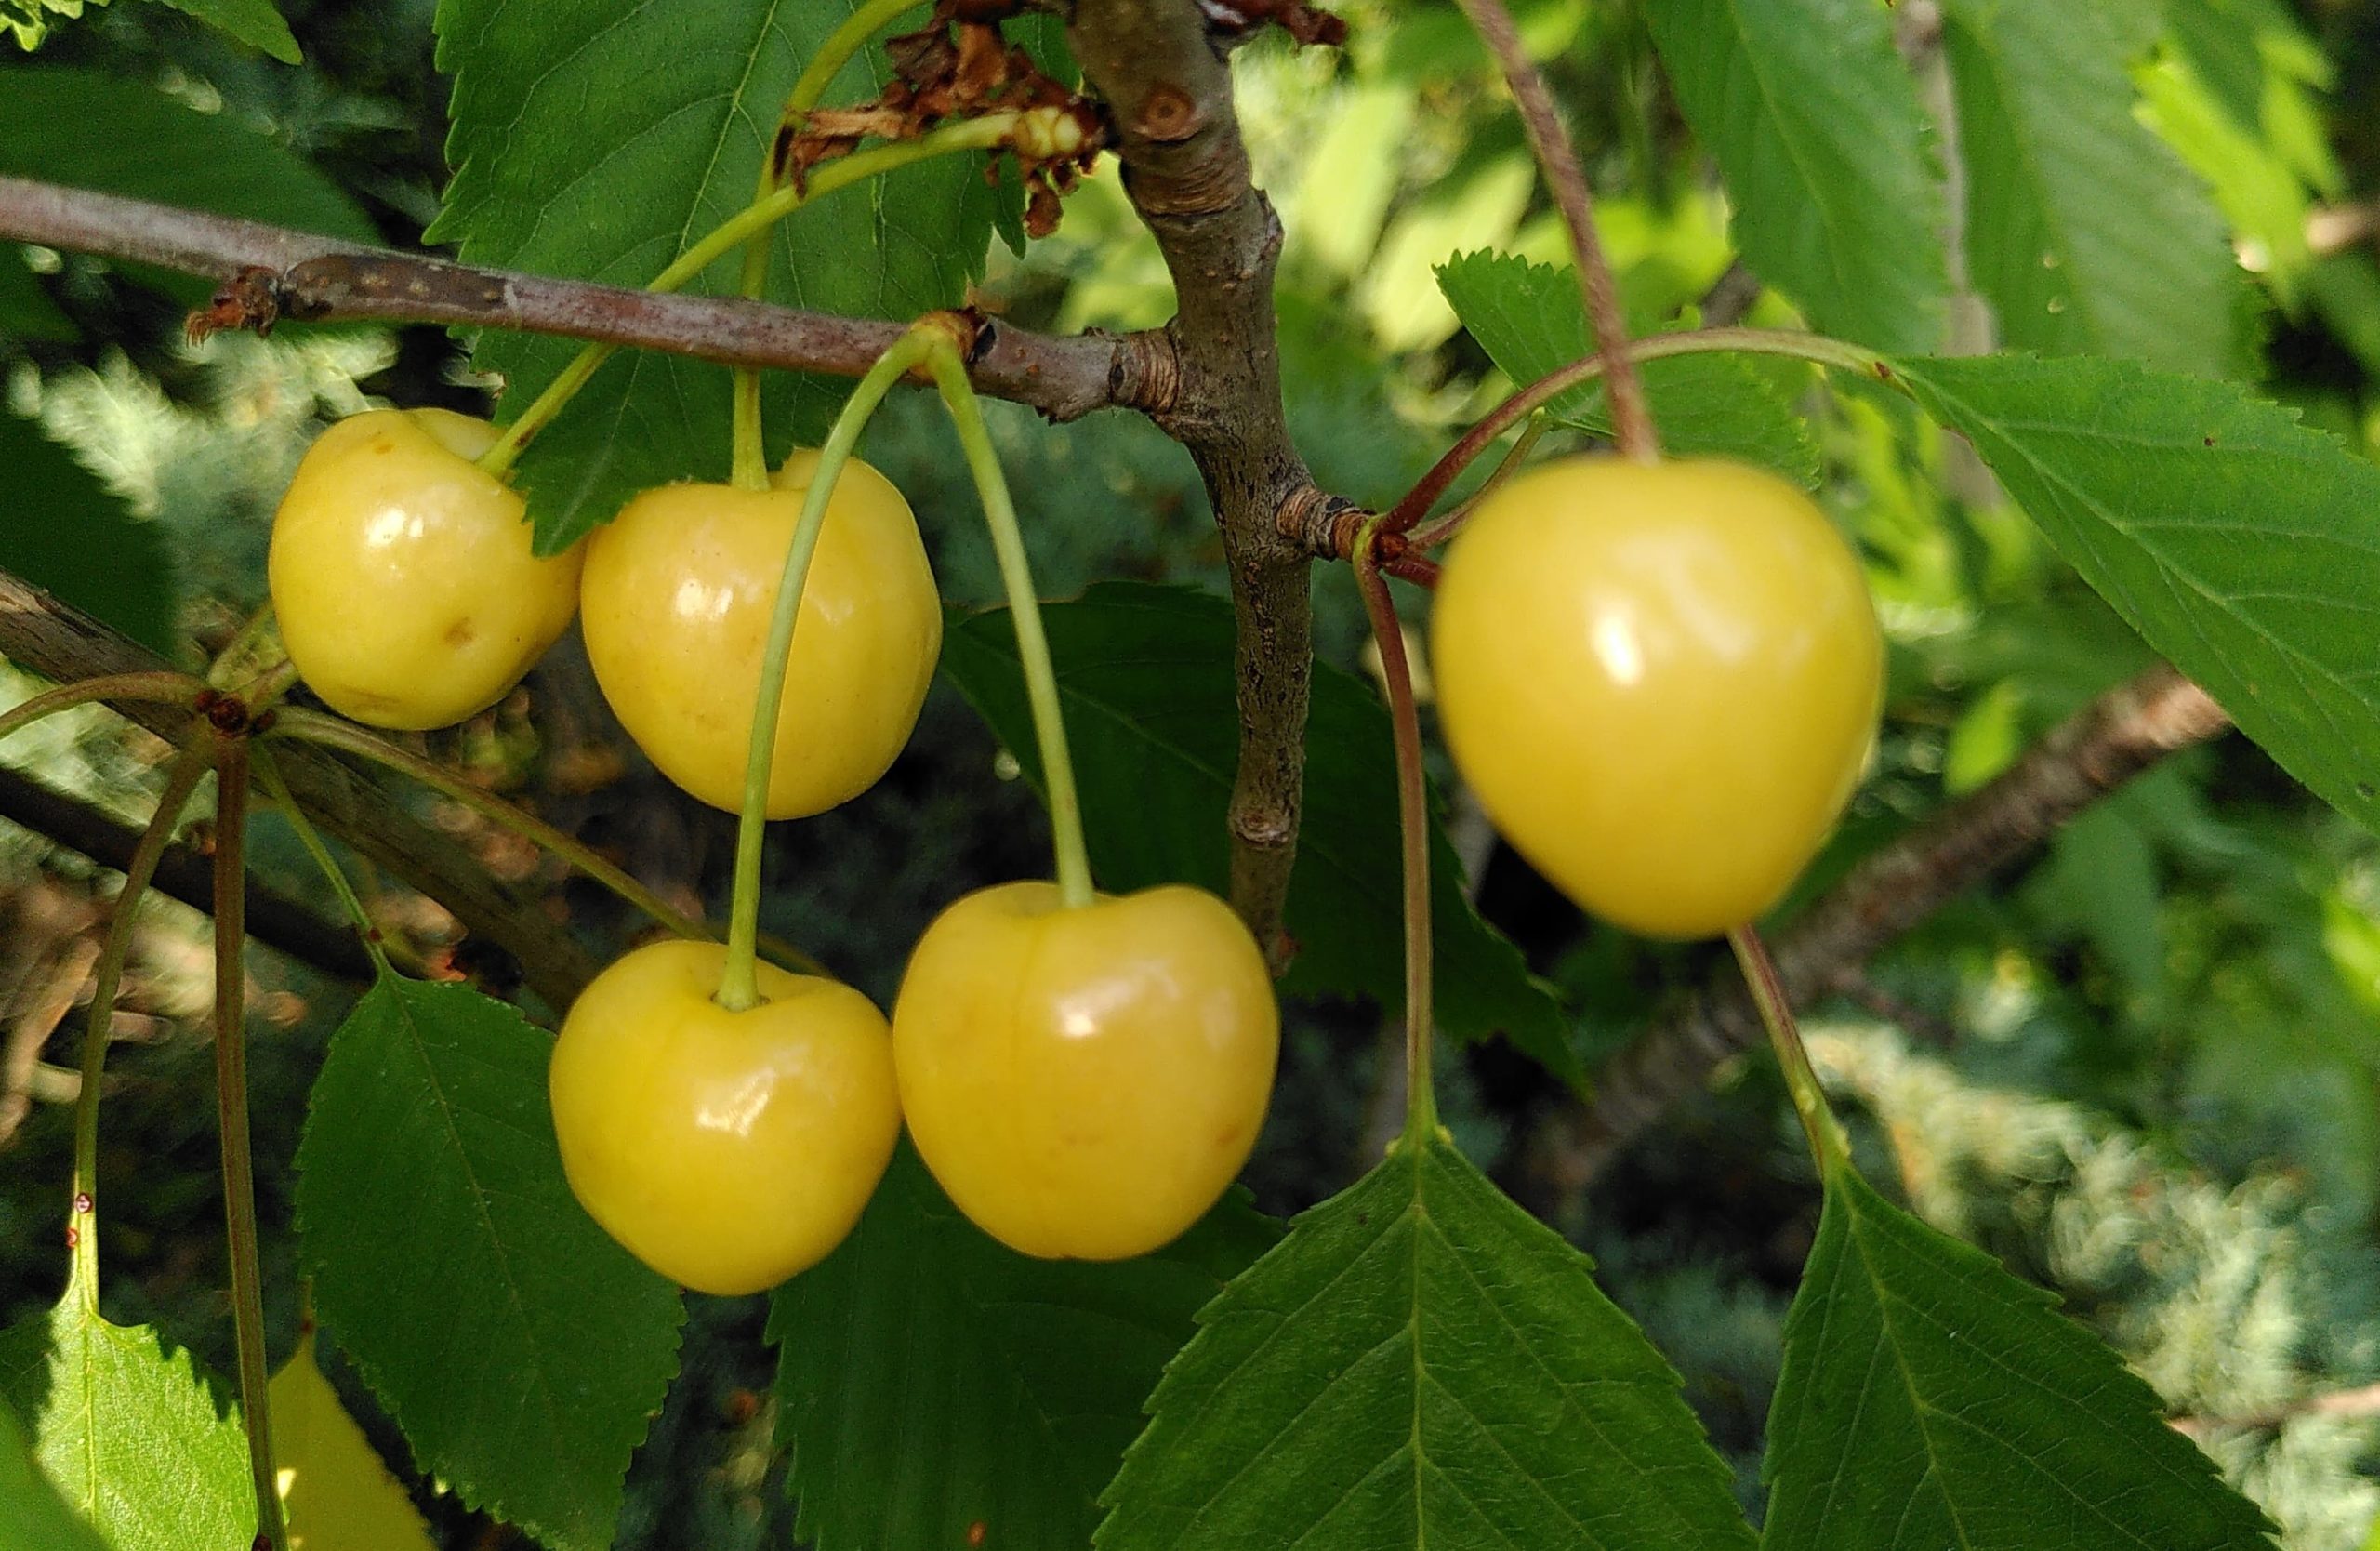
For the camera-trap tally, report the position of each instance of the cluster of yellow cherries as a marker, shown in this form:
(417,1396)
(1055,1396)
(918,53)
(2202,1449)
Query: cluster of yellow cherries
(1661,679)
(1083,1080)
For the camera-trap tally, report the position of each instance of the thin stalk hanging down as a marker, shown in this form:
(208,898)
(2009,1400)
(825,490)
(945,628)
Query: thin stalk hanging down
(1414,834)
(1024,612)
(1549,139)
(738,987)
(83,1217)
(231,1113)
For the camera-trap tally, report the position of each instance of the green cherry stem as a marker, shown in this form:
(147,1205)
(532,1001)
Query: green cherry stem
(1827,1141)
(231,1112)
(269,776)
(1413,832)
(738,987)
(1406,515)
(1025,614)
(160,688)
(977,134)
(810,90)
(750,469)
(243,641)
(310,726)
(83,1220)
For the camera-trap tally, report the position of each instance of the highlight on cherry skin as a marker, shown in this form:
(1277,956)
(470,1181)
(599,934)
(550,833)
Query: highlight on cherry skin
(1662,680)
(726,1151)
(675,606)
(1084,1083)
(402,574)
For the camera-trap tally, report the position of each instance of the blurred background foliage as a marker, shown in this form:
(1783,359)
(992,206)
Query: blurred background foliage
(2142,1067)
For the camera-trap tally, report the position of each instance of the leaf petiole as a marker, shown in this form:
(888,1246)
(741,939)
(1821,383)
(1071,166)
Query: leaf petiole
(232,1114)
(1827,1144)
(82,1219)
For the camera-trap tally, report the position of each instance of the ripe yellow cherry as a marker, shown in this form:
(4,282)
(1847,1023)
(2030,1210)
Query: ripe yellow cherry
(1085,1082)
(726,1151)
(1661,680)
(402,574)
(677,598)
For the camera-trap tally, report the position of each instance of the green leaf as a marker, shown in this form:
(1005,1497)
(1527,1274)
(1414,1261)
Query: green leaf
(520,1348)
(33,1516)
(934,1379)
(133,1438)
(29,20)
(26,311)
(2083,230)
(1814,123)
(63,531)
(156,147)
(1144,674)
(1929,1398)
(254,22)
(1419,1363)
(579,153)
(1528,319)
(2242,546)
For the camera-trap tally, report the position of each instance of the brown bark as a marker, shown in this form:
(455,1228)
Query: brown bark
(1166,82)
(41,634)
(291,274)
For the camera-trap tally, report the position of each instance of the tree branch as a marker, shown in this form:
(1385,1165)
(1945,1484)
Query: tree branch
(2119,734)
(321,280)
(185,874)
(44,636)
(1167,87)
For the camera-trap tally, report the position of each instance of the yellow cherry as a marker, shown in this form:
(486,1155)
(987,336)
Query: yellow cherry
(1661,681)
(1084,1083)
(677,598)
(401,575)
(726,1151)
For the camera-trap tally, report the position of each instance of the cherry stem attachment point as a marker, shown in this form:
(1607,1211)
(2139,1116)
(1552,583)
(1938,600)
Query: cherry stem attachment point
(1406,515)
(738,986)
(1075,889)
(1413,831)
(311,726)
(160,688)
(1557,158)
(1827,1141)
(83,1218)
(976,134)
(750,468)
(231,1112)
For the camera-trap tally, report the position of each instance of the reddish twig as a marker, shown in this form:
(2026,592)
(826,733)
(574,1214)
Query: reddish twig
(1549,137)
(1413,833)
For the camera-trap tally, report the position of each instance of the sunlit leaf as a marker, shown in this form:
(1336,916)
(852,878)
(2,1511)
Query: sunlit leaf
(1420,1363)
(1929,1398)
(520,1348)
(139,1443)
